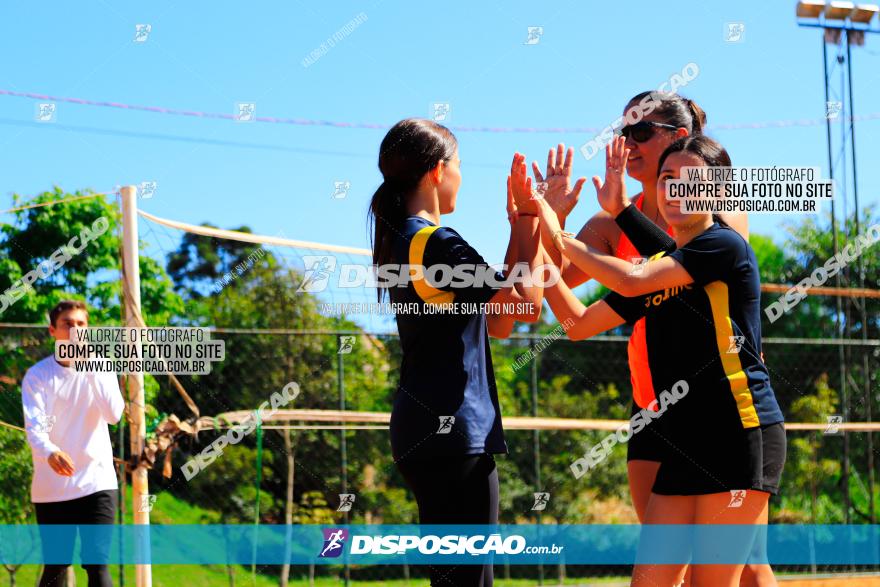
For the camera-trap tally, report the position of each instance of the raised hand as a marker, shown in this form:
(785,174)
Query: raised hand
(560,195)
(521,186)
(612,194)
(511,205)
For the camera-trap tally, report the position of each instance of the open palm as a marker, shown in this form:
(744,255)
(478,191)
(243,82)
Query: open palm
(560,194)
(612,193)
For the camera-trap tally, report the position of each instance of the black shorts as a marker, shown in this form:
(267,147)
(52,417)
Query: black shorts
(716,461)
(648,444)
(98,508)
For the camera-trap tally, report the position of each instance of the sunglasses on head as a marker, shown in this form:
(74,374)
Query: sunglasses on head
(642,131)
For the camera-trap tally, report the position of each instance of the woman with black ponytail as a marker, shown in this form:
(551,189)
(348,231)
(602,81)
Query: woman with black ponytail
(446,421)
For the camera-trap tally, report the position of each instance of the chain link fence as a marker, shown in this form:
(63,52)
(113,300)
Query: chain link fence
(307,468)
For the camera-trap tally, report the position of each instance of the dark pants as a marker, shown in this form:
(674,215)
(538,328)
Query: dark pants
(455,490)
(97,508)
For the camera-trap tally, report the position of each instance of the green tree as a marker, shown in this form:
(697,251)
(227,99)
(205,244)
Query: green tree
(808,472)
(264,296)
(16,469)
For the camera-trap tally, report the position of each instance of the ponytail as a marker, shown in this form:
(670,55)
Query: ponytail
(698,117)
(387,213)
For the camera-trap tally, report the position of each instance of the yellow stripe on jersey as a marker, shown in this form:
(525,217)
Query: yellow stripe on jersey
(427,292)
(739,383)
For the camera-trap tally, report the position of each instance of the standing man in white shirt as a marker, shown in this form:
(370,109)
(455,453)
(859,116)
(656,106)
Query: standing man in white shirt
(66,414)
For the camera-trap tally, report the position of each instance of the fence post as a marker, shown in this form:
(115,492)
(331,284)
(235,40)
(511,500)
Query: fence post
(536,441)
(137,434)
(343,453)
(120,443)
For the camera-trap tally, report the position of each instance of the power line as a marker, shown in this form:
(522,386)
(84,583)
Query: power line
(377,126)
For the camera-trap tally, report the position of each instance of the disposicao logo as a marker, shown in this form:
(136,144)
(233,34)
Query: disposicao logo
(334,542)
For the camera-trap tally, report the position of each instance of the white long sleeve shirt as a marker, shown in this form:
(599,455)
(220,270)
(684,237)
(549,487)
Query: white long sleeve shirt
(69,411)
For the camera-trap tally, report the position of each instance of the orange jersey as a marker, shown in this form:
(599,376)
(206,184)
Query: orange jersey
(637,349)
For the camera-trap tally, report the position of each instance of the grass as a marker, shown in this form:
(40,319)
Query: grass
(168,509)
(216,576)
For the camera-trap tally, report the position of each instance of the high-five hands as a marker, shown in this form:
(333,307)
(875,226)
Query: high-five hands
(559,195)
(512,212)
(520,188)
(612,194)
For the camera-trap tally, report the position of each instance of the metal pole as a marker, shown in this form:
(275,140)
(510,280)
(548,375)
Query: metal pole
(536,442)
(861,269)
(838,325)
(847,317)
(343,453)
(120,443)
(132,293)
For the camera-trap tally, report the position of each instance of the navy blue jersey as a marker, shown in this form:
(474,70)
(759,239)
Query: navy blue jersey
(708,333)
(446,402)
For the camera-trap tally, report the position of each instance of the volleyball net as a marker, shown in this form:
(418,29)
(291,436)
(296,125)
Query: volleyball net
(324,457)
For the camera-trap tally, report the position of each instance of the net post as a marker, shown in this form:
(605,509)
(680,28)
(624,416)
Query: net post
(343,449)
(137,434)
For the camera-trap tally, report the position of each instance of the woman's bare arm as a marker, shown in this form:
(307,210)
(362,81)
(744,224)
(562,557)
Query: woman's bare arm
(526,299)
(583,322)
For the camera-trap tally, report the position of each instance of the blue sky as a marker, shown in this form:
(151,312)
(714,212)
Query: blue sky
(278,178)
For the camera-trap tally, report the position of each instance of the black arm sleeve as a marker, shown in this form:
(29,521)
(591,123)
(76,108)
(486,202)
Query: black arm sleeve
(630,309)
(648,238)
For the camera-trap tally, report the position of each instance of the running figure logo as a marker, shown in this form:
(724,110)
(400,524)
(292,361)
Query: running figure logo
(340,189)
(540,190)
(736,343)
(541,501)
(334,541)
(832,110)
(146,189)
(534,35)
(638,265)
(834,423)
(246,112)
(446,423)
(737,498)
(46,112)
(440,112)
(147,502)
(346,343)
(317,273)
(141,32)
(346,500)
(734,32)
(45,423)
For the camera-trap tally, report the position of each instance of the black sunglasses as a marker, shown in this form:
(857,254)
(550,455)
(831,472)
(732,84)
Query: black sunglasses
(642,131)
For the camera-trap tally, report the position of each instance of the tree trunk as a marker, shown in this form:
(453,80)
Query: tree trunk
(71,577)
(288,506)
(12,570)
(230,572)
(814,498)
